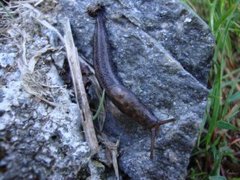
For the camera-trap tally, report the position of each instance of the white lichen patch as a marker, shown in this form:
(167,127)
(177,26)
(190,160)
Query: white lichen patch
(7,59)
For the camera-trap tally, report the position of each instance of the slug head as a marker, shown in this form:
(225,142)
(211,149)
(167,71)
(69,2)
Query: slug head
(94,10)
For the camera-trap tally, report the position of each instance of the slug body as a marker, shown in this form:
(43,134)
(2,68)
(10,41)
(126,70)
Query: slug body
(124,99)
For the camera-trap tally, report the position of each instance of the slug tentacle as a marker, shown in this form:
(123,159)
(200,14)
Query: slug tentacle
(124,99)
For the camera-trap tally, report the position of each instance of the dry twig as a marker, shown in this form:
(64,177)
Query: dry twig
(113,148)
(81,97)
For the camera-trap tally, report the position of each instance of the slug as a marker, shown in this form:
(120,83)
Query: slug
(124,99)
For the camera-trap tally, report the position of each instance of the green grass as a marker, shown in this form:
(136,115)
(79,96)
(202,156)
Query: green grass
(217,152)
(100,106)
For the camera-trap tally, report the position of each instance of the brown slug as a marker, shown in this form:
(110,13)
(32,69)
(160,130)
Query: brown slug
(124,99)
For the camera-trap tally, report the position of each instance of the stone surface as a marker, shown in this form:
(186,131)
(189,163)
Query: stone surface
(37,140)
(162,52)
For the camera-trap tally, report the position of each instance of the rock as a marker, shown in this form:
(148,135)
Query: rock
(37,140)
(6,59)
(162,53)
(46,145)
(59,59)
(96,169)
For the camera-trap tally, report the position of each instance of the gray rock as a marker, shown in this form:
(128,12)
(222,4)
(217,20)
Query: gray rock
(162,53)
(6,59)
(39,141)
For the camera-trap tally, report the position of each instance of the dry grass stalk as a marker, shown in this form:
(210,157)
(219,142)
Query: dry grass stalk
(38,2)
(81,97)
(50,27)
(31,82)
(113,148)
(32,85)
(33,61)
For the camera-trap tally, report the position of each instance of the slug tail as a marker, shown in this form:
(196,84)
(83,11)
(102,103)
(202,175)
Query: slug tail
(154,132)
(153,139)
(165,121)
